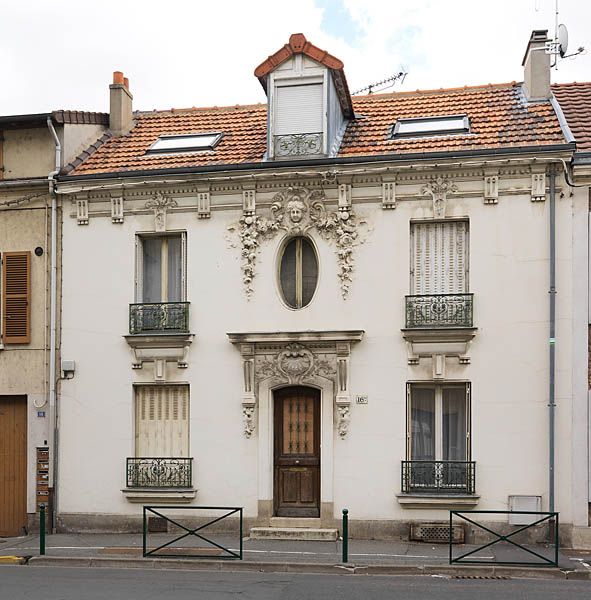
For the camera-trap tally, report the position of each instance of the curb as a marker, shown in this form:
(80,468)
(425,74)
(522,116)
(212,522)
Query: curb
(12,560)
(475,572)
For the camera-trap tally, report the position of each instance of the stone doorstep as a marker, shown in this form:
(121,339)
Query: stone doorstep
(308,534)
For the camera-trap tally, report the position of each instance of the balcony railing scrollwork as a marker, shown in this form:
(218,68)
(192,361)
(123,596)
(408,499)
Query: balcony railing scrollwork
(160,317)
(438,477)
(298,144)
(159,472)
(439,310)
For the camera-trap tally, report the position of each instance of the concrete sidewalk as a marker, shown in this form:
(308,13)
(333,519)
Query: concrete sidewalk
(365,556)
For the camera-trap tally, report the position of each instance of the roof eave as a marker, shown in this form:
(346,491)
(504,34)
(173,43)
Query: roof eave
(342,160)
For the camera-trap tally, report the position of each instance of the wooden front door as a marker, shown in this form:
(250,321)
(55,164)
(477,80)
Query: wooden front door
(13,465)
(297,452)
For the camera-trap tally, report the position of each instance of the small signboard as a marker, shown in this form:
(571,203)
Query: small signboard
(362,399)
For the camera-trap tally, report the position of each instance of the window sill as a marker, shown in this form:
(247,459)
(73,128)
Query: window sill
(437,500)
(175,495)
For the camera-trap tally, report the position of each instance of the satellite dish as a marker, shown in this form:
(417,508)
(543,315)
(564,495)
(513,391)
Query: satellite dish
(562,38)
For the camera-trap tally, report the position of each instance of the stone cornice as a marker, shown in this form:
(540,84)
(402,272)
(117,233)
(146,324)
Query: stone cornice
(342,335)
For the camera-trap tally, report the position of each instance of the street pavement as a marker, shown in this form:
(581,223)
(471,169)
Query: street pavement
(53,583)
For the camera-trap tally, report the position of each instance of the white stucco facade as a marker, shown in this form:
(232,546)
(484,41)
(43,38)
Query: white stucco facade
(506,363)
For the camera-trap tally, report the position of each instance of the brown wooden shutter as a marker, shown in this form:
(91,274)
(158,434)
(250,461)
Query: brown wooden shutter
(16,296)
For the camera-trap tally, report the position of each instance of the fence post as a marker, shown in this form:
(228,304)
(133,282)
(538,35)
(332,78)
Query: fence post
(345,535)
(42,529)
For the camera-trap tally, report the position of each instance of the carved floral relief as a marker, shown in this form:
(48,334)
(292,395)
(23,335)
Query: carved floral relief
(297,210)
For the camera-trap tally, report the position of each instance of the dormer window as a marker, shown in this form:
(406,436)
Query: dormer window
(166,144)
(309,101)
(429,126)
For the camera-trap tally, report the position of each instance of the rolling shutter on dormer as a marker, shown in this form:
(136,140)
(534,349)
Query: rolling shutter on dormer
(16,292)
(298,109)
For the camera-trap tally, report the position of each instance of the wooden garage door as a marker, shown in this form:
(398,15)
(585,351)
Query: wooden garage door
(13,465)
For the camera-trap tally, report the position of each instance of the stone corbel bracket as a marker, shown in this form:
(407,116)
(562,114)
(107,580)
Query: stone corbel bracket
(296,358)
(82,210)
(203,202)
(439,344)
(158,350)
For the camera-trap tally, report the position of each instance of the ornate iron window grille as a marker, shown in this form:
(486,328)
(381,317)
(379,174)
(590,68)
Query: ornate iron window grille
(438,477)
(159,472)
(298,144)
(439,310)
(159,317)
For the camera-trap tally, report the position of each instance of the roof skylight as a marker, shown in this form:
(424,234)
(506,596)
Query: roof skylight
(185,143)
(431,126)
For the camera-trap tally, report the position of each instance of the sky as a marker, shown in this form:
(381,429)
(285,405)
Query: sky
(182,53)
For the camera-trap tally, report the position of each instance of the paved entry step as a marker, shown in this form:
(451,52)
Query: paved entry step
(305,534)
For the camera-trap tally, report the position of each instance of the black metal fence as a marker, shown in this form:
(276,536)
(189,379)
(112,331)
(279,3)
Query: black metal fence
(439,310)
(546,553)
(159,317)
(191,532)
(438,477)
(159,472)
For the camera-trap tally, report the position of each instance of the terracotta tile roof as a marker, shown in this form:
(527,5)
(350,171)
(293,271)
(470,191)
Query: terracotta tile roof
(80,117)
(575,101)
(498,114)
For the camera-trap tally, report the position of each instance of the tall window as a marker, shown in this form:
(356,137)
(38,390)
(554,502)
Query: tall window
(439,258)
(438,426)
(162,421)
(161,269)
(298,272)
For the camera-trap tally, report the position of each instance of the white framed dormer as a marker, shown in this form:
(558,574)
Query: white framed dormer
(305,115)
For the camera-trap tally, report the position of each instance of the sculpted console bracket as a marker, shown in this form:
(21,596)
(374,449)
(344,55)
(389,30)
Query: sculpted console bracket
(296,210)
(295,358)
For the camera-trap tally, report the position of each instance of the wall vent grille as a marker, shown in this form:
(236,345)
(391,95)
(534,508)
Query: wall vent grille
(436,533)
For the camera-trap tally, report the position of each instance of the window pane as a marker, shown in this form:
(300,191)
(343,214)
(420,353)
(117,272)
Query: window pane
(174,269)
(422,419)
(454,423)
(152,276)
(288,274)
(309,272)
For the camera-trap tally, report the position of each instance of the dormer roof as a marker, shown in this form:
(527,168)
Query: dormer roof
(298,44)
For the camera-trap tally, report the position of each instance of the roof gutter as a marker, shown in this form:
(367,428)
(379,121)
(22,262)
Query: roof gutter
(343,160)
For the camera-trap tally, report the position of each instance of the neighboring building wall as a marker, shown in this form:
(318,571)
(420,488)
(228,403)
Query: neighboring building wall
(28,153)
(508,371)
(23,367)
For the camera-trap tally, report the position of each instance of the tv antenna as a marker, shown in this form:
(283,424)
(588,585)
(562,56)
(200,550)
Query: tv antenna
(558,47)
(385,84)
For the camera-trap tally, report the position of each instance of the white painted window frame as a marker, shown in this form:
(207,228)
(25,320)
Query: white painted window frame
(438,415)
(139,262)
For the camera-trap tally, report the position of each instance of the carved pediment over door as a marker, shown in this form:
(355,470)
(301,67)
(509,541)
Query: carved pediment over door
(296,358)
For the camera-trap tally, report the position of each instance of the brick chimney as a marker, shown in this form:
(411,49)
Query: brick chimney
(120,113)
(536,63)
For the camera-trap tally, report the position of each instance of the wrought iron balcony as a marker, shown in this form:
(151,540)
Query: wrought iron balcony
(438,477)
(298,144)
(161,317)
(159,472)
(439,310)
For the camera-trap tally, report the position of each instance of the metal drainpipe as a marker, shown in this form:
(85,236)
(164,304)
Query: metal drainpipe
(552,341)
(53,316)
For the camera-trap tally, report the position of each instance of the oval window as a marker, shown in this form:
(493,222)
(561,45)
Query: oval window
(298,273)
